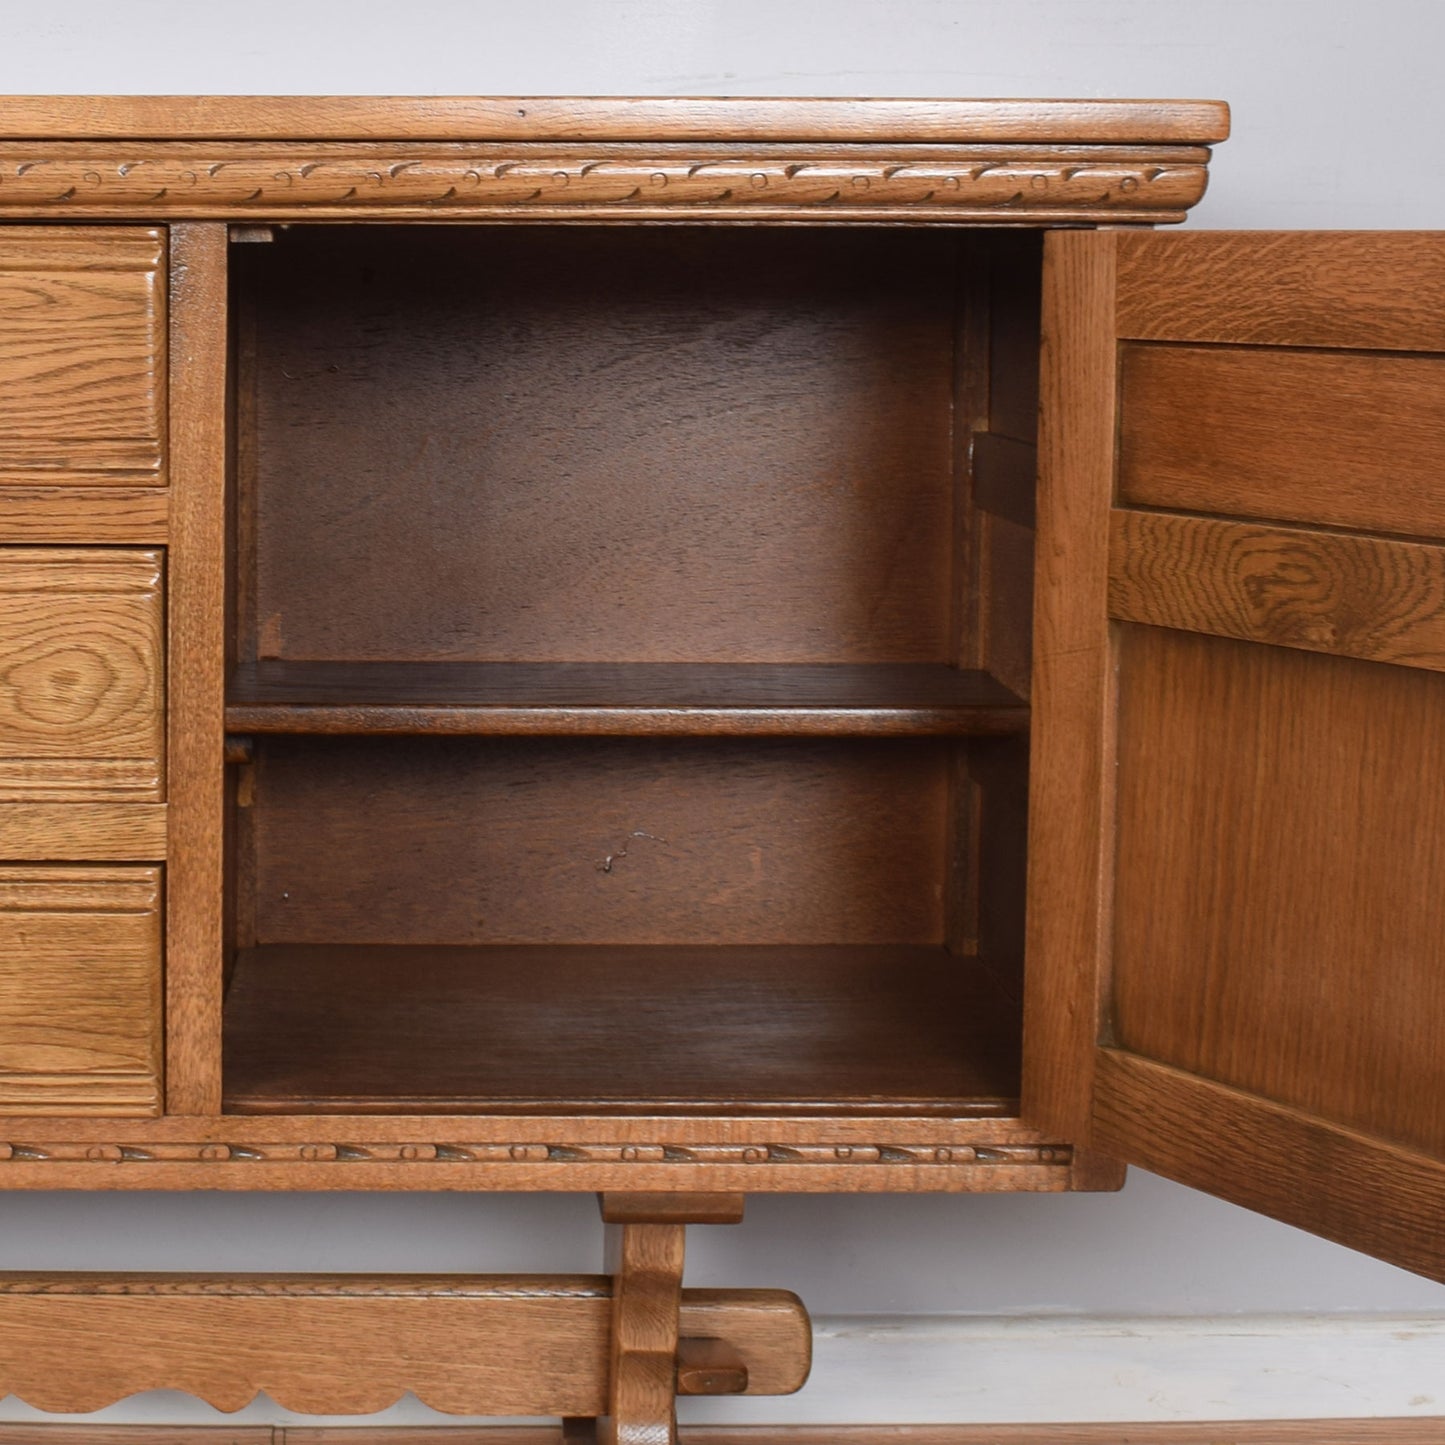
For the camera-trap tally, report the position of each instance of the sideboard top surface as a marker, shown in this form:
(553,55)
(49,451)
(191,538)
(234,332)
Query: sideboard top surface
(605,159)
(609,118)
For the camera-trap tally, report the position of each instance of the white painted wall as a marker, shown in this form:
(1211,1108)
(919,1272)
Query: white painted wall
(1158,1303)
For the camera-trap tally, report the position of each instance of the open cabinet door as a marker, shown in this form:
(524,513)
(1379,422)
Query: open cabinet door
(1237,837)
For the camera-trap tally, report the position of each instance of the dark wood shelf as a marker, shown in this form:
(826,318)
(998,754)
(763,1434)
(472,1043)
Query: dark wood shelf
(408,1029)
(621,699)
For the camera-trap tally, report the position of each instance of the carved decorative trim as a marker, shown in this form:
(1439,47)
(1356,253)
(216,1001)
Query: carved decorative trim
(863,1156)
(636,181)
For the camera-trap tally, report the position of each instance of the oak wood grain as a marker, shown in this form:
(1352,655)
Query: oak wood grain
(80,991)
(1072,741)
(196,647)
(82,654)
(350,1345)
(757,472)
(1148,1113)
(646,1264)
(1358,289)
(82,374)
(1201,430)
(1281,825)
(83,832)
(1365,597)
(620,699)
(94,515)
(446,1030)
(251,118)
(600,840)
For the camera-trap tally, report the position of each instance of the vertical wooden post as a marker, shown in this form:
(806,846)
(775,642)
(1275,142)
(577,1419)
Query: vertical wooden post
(646,1242)
(195,588)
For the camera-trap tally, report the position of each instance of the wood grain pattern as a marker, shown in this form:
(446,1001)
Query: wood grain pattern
(449,1030)
(80,991)
(1379,1199)
(261,117)
(599,840)
(82,370)
(83,832)
(1277,924)
(350,1345)
(1072,738)
(1365,597)
(655,180)
(1201,430)
(620,699)
(646,1264)
(92,515)
(82,656)
(766,474)
(1358,289)
(196,644)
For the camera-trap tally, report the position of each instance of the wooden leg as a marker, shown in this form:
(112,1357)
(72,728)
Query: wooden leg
(646,1241)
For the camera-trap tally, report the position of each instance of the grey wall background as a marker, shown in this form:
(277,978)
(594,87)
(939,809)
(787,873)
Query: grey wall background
(1338,113)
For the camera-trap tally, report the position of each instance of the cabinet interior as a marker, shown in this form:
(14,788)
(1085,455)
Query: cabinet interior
(629,668)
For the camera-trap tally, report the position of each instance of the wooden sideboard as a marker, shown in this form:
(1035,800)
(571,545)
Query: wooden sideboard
(682,648)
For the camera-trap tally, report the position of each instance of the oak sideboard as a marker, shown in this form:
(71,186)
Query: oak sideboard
(682,648)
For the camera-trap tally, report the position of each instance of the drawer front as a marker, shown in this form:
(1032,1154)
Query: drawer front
(82,354)
(81,674)
(80,991)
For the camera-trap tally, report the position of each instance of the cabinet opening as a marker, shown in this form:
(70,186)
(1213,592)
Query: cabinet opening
(629,669)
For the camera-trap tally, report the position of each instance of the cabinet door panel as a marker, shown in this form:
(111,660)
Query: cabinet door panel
(82,324)
(1237,925)
(80,980)
(81,648)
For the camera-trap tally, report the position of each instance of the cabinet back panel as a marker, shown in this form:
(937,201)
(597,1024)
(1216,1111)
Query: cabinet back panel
(1278,926)
(615,841)
(592,444)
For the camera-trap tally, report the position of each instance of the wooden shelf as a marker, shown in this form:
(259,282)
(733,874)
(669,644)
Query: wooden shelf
(403,1029)
(621,699)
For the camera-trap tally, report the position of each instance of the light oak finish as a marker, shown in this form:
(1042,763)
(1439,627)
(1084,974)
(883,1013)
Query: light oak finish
(83,832)
(646,1263)
(1254,980)
(1150,1112)
(327,1344)
(1358,290)
(1201,429)
(1353,596)
(647,118)
(93,515)
(80,991)
(82,354)
(1250,926)
(196,649)
(1070,806)
(82,693)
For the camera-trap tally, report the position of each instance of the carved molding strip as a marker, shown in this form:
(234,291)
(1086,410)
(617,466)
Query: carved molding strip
(1003,1155)
(938,181)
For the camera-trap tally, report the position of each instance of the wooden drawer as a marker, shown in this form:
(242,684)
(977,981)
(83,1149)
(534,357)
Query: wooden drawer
(82,353)
(81,675)
(80,990)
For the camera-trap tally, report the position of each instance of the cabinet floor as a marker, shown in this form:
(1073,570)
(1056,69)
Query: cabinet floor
(383,1029)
